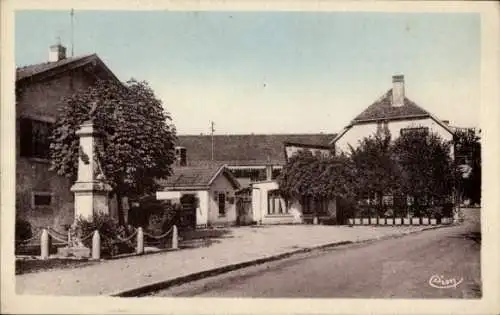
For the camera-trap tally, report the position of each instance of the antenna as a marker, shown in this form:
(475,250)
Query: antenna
(212,129)
(72,14)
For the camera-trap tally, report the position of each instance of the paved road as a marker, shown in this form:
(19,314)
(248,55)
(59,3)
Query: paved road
(395,268)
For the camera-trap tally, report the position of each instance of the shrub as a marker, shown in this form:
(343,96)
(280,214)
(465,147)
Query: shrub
(154,215)
(23,229)
(110,232)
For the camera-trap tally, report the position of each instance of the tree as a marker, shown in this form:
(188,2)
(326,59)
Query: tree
(468,155)
(428,172)
(317,177)
(138,136)
(375,168)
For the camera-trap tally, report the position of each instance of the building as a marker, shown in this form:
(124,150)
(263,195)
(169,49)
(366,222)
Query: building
(207,195)
(250,157)
(43,197)
(394,111)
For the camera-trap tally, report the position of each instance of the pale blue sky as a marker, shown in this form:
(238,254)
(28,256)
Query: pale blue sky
(274,72)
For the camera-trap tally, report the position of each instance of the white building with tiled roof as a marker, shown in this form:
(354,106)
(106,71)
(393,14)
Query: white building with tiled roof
(394,111)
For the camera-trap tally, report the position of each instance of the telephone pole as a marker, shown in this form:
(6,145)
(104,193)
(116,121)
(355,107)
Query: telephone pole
(72,14)
(212,129)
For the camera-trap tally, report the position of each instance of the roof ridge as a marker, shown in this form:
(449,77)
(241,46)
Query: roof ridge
(73,58)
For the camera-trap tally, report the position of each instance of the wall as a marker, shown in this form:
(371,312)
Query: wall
(293,149)
(260,204)
(220,184)
(39,100)
(358,132)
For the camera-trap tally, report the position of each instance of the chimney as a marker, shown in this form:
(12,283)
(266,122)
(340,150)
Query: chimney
(57,52)
(269,171)
(398,90)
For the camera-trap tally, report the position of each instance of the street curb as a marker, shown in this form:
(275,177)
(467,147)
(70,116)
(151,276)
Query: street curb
(160,285)
(216,271)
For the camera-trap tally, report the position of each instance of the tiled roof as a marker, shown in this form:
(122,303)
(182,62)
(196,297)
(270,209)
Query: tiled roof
(244,149)
(184,177)
(382,109)
(31,70)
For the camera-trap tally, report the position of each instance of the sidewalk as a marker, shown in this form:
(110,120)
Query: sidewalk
(242,244)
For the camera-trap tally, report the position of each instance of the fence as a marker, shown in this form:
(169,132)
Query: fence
(47,236)
(399,221)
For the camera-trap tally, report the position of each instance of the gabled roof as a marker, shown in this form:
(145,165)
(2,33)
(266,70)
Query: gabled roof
(48,69)
(382,109)
(197,177)
(251,150)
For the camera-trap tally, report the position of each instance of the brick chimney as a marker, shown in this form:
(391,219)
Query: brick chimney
(398,90)
(57,52)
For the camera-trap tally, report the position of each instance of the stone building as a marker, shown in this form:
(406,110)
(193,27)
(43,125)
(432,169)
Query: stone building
(43,197)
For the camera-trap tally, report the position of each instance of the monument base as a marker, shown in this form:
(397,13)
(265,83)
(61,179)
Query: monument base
(77,252)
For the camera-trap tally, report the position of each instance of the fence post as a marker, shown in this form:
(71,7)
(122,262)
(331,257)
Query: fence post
(96,245)
(44,244)
(140,241)
(175,238)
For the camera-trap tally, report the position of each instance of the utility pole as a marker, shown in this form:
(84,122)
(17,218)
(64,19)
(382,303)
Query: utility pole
(212,129)
(72,14)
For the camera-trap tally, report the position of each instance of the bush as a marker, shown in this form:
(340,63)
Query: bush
(154,215)
(23,229)
(110,232)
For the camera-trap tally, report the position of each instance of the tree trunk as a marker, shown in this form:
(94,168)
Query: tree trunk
(119,204)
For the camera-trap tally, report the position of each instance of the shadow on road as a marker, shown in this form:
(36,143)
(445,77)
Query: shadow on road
(202,238)
(473,236)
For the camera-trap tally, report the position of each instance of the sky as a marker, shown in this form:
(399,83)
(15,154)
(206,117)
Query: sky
(274,72)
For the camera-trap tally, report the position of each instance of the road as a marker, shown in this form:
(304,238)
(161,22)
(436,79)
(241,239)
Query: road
(394,268)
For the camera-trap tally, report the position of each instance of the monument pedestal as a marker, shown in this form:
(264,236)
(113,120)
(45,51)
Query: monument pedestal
(91,198)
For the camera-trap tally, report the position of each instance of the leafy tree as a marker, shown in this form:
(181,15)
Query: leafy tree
(138,136)
(468,155)
(316,176)
(375,169)
(428,172)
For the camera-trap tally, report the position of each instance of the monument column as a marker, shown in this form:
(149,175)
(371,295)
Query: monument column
(91,191)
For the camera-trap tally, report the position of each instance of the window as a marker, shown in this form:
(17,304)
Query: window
(423,130)
(41,199)
(34,136)
(275,203)
(222,204)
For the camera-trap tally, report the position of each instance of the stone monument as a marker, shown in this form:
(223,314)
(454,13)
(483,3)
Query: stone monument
(90,189)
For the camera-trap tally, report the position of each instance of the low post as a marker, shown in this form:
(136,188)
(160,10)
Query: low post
(140,241)
(96,245)
(44,244)
(175,237)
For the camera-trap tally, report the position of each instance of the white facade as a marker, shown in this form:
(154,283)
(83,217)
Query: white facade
(359,131)
(291,149)
(261,215)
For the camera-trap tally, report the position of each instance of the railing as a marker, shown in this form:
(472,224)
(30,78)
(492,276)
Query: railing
(47,235)
(398,221)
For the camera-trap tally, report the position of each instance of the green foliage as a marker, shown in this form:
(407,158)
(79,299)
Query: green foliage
(23,229)
(311,175)
(416,164)
(468,152)
(376,172)
(137,136)
(428,171)
(111,232)
(149,208)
